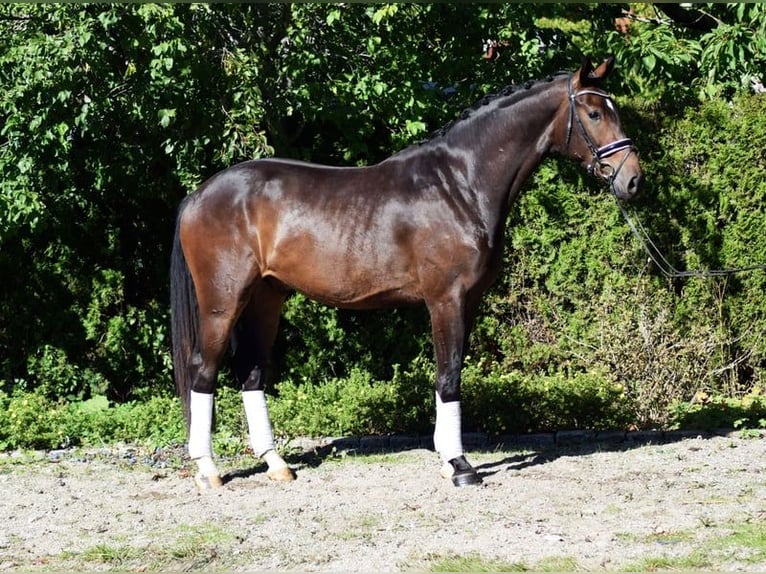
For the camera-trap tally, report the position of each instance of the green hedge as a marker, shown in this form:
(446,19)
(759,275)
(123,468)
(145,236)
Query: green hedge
(33,420)
(581,331)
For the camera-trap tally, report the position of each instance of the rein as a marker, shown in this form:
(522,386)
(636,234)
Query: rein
(598,153)
(664,265)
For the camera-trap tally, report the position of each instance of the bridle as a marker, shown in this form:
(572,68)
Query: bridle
(598,154)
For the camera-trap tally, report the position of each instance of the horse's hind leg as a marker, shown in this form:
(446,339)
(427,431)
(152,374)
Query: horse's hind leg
(214,335)
(221,297)
(253,339)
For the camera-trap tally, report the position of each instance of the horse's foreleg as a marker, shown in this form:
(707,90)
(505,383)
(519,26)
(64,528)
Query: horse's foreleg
(254,337)
(449,327)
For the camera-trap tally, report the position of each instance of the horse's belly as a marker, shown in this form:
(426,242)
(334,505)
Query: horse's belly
(340,279)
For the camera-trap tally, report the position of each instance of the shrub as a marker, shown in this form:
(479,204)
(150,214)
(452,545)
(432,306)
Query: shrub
(578,294)
(500,402)
(56,376)
(31,420)
(357,404)
(229,422)
(34,421)
(708,413)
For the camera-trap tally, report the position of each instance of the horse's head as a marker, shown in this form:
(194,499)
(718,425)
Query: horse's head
(594,133)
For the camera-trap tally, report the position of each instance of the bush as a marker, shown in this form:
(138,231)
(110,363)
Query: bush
(709,413)
(229,422)
(34,421)
(578,294)
(512,403)
(356,405)
(30,420)
(57,376)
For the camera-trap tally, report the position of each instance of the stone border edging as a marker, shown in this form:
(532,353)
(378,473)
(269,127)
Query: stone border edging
(484,441)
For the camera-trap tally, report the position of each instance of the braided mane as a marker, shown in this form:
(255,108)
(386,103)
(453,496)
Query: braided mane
(508,91)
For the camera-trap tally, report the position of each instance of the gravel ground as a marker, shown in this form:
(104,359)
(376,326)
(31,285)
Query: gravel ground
(674,501)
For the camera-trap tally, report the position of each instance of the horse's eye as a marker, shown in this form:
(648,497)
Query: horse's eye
(595,115)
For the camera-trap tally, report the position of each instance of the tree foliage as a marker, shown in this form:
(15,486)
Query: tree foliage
(703,51)
(112,113)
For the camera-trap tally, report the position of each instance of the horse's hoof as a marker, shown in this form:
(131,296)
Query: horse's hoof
(463,474)
(208,482)
(281,474)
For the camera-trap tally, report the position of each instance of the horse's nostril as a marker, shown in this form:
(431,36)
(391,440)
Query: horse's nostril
(636,183)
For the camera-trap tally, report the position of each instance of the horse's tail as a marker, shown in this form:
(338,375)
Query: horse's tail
(184,317)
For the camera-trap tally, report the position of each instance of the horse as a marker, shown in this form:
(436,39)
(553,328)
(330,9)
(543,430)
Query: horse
(424,226)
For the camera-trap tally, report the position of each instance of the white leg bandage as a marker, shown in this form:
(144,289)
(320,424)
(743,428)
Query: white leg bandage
(200,438)
(273,460)
(258,423)
(448,440)
(206,466)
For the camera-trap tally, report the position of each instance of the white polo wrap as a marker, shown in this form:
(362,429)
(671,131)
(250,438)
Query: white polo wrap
(448,440)
(200,438)
(258,423)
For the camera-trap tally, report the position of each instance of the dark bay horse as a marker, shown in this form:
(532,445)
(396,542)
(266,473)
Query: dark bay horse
(423,226)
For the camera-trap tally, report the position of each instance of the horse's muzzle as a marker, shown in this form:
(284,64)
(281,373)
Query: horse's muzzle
(628,186)
(631,189)
(628,179)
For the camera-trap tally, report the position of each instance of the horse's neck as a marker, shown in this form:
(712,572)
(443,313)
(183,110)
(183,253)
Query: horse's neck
(506,144)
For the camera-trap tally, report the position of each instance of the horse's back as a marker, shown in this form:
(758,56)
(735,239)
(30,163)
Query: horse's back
(310,227)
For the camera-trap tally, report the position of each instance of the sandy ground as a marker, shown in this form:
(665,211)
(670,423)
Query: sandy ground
(596,505)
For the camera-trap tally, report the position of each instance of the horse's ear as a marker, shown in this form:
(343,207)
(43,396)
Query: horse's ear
(603,70)
(587,75)
(582,75)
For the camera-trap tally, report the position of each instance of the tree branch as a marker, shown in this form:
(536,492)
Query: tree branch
(693,19)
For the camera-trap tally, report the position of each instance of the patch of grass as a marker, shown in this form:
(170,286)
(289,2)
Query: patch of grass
(747,542)
(374,458)
(557,564)
(669,537)
(20,458)
(473,563)
(692,561)
(477,563)
(112,555)
(192,555)
(196,547)
(362,528)
(204,534)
